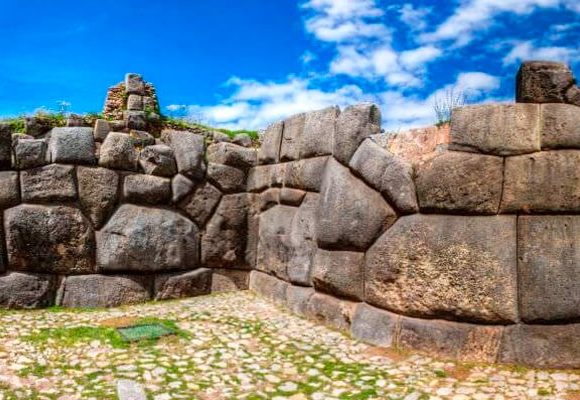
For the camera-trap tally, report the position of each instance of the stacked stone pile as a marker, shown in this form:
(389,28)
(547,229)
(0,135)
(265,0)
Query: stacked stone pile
(99,217)
(475,255)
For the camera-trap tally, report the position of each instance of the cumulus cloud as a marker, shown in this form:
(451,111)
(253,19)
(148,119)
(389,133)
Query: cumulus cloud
(527,51)
(414,18)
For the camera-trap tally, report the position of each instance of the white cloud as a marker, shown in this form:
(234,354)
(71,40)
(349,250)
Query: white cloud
(345,20)
(413,17)
(419,56)
(476,15)
(526,51)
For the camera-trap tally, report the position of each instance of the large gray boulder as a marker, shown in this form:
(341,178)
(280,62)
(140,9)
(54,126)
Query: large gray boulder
(53,239)
(182,284)
(101,129)
(499,129)
(231,154)
(541,346)
(388,174)
(560,126)
(98,193)
(543,82)
(23,290)
(302,241)
(543,182)
(461,182)
(268,286)
(330,311)
(51,183)
(269,152)
(147,239)
(9,189)
(304,174)
(227,179)
(134,84)
(317,136)
(30,153)
(181,186)
(355,124)
(202,202)
(105,290)
(189,150)
(74,145)
(158,160)
(36,126)
(146,189)
(119,152)
(339,273)
(373,325)
(135,102)
(264,176)
(136,120)
(450,340)
(225,239)
(549,267)
(453,267)
(290,146)
(350,215)
(274,248)
(229,280)
(297,298)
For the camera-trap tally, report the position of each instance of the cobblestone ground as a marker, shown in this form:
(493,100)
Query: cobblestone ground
(236,346)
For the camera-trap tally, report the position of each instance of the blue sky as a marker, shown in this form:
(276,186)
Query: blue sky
(246,63)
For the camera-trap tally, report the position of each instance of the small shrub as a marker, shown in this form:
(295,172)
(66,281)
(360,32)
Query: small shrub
(444,104)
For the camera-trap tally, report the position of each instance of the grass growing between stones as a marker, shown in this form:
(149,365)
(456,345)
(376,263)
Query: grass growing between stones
(233,346)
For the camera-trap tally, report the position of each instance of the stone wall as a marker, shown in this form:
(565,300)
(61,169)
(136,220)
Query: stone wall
(473,254)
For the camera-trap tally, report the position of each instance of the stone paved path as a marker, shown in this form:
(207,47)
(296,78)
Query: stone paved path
(235,346)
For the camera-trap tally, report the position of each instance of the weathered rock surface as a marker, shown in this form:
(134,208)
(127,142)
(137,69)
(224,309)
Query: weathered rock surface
(147,239)
(263,176)
(542,182)
(268,286)
(499,129)
(182,284)
(189,150)
(105,290)
(560,126)
(141,138)
(202,202)
(388,174)
(229,280)
(119,152)
(30,153)
(146,189)
(461,182)
(98,193)
(51,183)
(291,197)
(549,267)
(135,120)
(297,298)
(21,290)
(181,186)
(330,311)
(37,126)
(242,139)
(135,102)
(225,239)
(317,137)
(446,339)
(232,154)
(305,174)
(134,84)
(453,267)
(274,240)
(350,215)
(269,198)
(543,82)
(290,145)
(339,273)
(53,239)
(158,160)
(101,130)
(9,189)
(302,241)
(269,151)
(373,325)
(5,146)
(355,124)
(72,145)
(541,346)
(227,179)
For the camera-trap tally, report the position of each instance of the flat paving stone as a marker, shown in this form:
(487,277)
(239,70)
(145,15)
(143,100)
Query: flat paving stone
(236,346)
